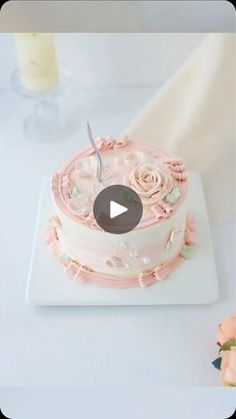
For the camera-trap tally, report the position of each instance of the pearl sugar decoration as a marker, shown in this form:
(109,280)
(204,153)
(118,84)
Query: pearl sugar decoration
(133,255)
(146,260)
(123,245)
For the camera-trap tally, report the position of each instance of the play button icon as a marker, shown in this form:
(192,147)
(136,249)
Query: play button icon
(117,209)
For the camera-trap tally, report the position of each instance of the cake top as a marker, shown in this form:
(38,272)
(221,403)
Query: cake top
(159,179)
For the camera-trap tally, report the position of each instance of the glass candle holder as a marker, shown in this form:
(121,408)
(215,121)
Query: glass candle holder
(47,121)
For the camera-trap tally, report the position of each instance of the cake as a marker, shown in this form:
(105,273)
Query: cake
(154,248)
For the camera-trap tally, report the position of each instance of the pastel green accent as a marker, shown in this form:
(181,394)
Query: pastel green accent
(75,192)
(64,256)
(186,252)
(228,345)
(172,196)
(168,245)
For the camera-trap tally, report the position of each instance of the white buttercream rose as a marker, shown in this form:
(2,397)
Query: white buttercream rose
(135,158)
(85,168)
(80,205)
(152,183)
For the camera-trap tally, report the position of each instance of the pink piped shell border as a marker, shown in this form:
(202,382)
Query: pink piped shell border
(84,274)
(60,180)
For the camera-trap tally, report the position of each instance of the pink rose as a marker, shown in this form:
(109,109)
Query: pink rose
(227,330)
(151,182)
(86,167)
(228,367)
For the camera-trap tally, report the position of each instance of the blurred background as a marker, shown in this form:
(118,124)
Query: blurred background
(112,59)
(113,75)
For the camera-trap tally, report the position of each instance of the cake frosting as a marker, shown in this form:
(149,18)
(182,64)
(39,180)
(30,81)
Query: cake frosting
(154,248)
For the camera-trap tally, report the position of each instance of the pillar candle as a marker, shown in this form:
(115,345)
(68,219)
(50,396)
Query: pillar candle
(37,61)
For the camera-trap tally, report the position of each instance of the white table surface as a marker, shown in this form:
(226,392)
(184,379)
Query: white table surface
(94,346)
(151,403)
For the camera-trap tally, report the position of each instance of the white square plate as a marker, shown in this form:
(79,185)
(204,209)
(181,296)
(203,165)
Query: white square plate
(194,282)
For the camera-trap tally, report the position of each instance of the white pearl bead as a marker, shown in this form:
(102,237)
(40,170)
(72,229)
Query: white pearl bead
(146,260)
(133,255)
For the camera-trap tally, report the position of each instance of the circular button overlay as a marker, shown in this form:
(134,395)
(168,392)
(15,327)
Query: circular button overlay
(117,209)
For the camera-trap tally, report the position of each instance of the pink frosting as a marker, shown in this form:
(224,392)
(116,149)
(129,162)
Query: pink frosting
(189,231)
(83,273)
(177,169)
(150,181)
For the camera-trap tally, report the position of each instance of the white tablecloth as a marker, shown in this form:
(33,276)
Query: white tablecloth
(163,403)
(102,347)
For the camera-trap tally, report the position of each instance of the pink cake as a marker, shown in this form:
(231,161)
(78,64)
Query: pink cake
(145,255)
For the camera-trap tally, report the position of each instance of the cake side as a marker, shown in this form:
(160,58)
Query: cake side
(122,254)
(85,274)
(157,245)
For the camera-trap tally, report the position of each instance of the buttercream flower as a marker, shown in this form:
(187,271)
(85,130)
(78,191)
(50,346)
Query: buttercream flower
(134,159)
(54,222)
(51,239)
(105,143)
(151,182)
(227,330)
(73,269)
(122,142)
(80,204)
(116,262)
(85,168)
(157,273)
(107,174)
(189,236)
(177,169)
(228,367)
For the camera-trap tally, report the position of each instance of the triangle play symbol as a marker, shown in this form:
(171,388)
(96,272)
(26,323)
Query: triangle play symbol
(116,209)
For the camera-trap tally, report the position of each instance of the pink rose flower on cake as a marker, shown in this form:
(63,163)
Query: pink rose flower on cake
(85,168)
(83,247)
(151,182)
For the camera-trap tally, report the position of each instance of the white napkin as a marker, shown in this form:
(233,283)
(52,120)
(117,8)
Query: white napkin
(193,116)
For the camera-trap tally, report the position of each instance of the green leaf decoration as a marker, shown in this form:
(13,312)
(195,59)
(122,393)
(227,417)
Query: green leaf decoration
(172,196)
(228,345)
(64,256)
(75,192)
(168,245)
(217,363)
(187,252)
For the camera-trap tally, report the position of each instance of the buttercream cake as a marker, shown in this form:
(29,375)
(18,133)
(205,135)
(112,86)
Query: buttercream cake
(154,248)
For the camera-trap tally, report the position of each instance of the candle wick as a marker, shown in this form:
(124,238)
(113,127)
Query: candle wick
(100,164)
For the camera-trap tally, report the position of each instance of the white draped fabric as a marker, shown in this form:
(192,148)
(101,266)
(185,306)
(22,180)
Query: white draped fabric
(193,116)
